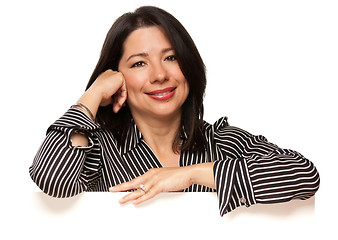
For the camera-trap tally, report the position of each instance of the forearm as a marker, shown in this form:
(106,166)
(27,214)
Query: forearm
(108,88)
(56,167)
(91,101)
(202,174)
(289,176)
(167,179)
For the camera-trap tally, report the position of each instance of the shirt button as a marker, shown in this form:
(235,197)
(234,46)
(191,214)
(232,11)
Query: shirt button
(242,200)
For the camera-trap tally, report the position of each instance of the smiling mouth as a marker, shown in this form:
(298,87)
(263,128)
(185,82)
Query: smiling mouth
(163,94)
(162,91)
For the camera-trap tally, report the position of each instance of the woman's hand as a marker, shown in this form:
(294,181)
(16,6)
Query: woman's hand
(158,180)
(111,87)
(108,88)
(155,181)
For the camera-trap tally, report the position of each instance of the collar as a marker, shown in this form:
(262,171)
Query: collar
(134,137)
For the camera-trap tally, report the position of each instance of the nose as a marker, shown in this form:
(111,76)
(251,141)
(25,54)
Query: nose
(159,73)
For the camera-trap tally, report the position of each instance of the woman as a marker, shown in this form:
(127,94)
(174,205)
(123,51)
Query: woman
(139,126)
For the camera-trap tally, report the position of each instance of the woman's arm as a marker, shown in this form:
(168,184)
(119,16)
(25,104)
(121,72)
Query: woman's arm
(260,173)
(257,171)
(158,180)
(108,88)
(203,174)
(60,167)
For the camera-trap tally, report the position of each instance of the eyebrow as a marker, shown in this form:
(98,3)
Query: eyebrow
(144,54)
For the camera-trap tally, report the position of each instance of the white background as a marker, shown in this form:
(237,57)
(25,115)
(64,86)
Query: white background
(272,68)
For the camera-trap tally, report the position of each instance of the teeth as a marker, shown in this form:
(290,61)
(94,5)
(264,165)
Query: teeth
(160,94)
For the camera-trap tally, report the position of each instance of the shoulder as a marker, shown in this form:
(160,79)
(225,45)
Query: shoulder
(236,141)
(222,129)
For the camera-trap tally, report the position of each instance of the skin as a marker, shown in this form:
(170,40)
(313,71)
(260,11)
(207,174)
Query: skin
(148,64)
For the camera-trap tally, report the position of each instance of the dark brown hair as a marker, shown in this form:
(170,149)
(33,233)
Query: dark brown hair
(188,58)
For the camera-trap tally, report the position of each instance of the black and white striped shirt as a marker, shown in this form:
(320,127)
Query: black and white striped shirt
(247,168)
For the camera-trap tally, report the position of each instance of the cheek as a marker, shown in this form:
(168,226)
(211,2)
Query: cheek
(133,81)
(187,89)
(185,83)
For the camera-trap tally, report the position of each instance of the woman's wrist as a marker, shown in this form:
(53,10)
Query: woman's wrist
(89,102)
(84,109)
(202,174)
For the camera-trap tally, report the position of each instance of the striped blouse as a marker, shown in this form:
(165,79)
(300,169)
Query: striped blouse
(247,168)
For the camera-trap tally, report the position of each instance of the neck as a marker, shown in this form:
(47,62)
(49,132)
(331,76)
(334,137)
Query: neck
(158,133)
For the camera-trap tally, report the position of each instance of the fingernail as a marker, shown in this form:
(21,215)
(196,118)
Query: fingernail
(111,189)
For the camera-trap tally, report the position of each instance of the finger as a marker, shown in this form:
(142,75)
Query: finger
(123,98)
(127,186)
(124,93)
(131,196)
(119,100)
(116,105)
(116,108)
(145,179)
(122,188)
(148,195)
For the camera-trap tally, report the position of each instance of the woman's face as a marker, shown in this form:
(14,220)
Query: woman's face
(155,83)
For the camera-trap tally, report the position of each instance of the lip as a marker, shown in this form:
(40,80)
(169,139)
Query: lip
(162,94)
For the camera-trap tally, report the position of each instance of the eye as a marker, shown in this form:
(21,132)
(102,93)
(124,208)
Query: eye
(138,64)
(171,58)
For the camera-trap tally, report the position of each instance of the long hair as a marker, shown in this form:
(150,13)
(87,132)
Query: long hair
(189,60)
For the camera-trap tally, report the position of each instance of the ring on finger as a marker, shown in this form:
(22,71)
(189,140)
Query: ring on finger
(142,187)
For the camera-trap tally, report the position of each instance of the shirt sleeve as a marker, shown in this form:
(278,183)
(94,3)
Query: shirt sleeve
(61,170)
(252,170)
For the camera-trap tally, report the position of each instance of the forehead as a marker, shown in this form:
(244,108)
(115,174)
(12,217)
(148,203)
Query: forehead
(146,39)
